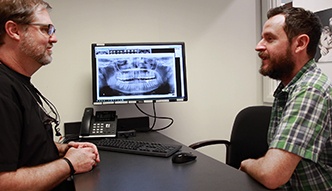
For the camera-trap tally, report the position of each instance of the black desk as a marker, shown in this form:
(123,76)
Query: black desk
(127,172)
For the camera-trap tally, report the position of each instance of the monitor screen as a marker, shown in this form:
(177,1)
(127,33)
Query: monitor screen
(138,73)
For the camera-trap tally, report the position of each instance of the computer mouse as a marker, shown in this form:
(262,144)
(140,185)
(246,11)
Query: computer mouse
(183,157)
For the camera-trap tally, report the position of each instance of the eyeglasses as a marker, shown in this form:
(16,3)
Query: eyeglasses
(50,28)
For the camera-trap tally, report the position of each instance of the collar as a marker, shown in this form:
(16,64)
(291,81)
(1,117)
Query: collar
(281,89)
(24,79)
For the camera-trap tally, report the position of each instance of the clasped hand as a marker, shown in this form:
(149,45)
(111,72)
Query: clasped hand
(83,155)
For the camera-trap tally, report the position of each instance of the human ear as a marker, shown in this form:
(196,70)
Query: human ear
(12,30)
(301,43)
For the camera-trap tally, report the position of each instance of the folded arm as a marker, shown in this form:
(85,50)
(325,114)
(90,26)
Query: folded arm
(274,169)
(42,177)
(83,156)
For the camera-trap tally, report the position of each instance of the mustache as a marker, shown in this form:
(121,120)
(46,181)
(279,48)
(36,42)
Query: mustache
(262,55)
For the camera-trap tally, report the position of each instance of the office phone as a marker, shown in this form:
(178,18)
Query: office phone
(103,124)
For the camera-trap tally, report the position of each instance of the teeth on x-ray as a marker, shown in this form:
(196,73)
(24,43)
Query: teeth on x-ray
(136,75)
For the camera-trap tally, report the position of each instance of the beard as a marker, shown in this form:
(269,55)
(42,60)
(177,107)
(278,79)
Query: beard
(37,52)
(279,67)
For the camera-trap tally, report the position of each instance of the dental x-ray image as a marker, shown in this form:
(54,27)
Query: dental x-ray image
(136,75)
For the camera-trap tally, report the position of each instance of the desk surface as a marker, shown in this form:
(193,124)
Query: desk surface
(127,172)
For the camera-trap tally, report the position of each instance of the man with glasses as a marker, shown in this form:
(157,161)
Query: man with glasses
(29,158)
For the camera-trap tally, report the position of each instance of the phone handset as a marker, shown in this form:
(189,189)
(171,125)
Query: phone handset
(86,121)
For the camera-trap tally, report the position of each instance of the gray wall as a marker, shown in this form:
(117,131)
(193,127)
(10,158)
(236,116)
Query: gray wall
(222,64)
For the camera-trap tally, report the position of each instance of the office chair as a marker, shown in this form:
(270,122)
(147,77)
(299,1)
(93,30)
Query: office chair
(248,137)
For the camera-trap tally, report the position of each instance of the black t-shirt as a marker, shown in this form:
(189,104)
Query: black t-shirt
(24,139)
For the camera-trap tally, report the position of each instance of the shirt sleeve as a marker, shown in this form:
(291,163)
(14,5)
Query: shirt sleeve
(304,124)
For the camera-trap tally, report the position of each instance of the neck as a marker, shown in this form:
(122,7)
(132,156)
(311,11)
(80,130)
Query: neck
(19,63)
(298,66)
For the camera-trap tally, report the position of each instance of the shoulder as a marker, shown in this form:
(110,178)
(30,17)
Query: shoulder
(11,85)
(6,80)
(313,81)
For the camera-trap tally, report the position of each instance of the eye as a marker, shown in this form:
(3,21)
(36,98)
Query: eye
(44,30)
(269,39)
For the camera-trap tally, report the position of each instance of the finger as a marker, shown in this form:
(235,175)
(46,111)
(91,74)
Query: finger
(95,151)
(97,158)
(73,144)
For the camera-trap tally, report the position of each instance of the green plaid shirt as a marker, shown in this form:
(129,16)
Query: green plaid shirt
(301,123)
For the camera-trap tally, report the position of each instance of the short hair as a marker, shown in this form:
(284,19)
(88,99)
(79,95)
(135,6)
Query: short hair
(300,21)
(19,11)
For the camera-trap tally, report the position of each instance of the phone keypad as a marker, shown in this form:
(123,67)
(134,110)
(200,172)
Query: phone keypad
(103,128)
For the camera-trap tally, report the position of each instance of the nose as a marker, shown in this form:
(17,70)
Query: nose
(53,38)
(260,46)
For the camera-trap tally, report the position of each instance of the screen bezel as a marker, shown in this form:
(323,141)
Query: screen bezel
(182,97)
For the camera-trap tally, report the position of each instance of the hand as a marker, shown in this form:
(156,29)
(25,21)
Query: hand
(85,145)
(323,51)
(62,148)
(245,163)
(83,159)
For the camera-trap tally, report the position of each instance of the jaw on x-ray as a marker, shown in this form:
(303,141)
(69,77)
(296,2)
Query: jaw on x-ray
(136,75)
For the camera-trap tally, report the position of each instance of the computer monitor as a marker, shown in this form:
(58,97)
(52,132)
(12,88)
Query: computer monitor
(138,73)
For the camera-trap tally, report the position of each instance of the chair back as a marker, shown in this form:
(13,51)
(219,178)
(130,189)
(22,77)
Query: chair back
(249,135)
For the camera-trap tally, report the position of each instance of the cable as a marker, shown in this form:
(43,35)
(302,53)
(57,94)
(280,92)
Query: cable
(51,106)
(155,117)
(54,111)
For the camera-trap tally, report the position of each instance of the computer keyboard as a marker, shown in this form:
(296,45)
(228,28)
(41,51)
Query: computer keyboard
(137,147)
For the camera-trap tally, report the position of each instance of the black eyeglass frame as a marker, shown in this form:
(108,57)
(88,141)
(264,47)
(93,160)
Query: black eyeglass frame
(50,28)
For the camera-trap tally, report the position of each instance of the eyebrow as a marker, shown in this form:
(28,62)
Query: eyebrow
(268,34)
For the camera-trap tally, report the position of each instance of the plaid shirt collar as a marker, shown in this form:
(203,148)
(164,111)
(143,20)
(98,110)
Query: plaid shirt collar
(282,91)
